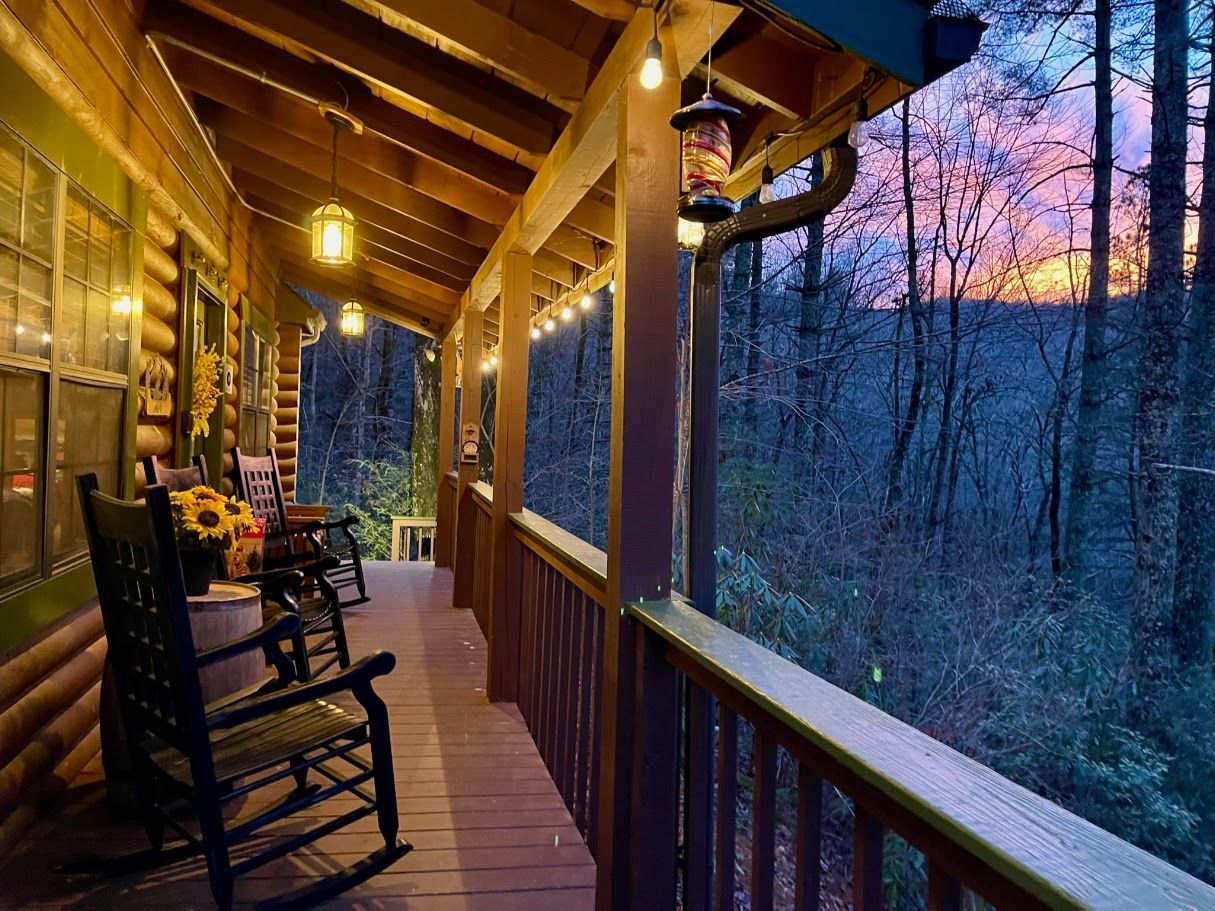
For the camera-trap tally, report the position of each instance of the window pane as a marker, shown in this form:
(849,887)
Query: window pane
(39,213)
(9,331)
(34,309)
(76,240)
(248,372)
(88,439)
(264,389)
(101,233)
(20,470)
(96,329)
(70,325)
(11,157)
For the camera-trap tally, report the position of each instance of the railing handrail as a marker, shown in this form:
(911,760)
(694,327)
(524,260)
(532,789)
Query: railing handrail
(482,494)
(1051,854)
(578,561)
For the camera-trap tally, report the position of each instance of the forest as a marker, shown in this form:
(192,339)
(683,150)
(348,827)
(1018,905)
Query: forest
(968,427)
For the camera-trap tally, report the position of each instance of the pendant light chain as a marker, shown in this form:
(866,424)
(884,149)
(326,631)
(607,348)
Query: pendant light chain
(333,172)
(709,63)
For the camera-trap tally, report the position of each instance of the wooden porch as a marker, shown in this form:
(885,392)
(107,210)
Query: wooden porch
(489,827)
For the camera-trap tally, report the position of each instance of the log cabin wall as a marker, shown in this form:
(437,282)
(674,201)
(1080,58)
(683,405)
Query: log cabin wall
(285,422)
(158,354)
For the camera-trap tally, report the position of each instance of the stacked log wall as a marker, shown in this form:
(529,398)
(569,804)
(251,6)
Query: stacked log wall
(285,421)
(158,334)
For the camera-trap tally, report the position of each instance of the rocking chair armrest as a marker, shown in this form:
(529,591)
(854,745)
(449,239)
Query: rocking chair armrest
(305,531)
(268,634)
(273,579)
(356,678)
(342,524)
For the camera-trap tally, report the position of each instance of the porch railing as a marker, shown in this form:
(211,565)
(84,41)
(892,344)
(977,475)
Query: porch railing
(473,551)
(976,830)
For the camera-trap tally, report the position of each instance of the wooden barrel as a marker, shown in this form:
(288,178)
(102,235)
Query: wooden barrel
(227,611)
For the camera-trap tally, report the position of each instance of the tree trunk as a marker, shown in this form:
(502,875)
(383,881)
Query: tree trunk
(905,425)
(810,322)
(1194,602)
(424,454)
(754,313)
(1092,365)
(1160,319)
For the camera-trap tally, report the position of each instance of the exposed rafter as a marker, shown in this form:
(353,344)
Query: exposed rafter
(259,62)
(364,45)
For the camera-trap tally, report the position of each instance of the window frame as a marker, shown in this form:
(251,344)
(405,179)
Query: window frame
(266,382)
(54,372)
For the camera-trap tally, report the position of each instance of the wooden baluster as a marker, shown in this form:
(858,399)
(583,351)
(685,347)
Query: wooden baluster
(527,673)
(565,715)
(698,798)
(586,684)
(543,724)
(727,807)
(944,893)
(596,673)
(808,881)
(868,842)
(763,824)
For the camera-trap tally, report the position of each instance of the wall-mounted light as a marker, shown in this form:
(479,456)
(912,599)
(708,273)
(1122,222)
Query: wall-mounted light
(352,319)
(332,223)
(120,301)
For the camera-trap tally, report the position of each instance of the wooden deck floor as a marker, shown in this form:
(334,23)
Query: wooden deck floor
(488,827)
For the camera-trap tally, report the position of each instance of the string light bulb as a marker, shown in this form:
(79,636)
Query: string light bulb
(587,301)
(612,287)
(485,366)
(567,313)
(767,192)
(493,360)
(858,133)
(535,332)
(549,325)
(651,68)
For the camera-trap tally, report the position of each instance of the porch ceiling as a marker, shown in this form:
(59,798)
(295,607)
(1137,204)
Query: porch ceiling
(487,125)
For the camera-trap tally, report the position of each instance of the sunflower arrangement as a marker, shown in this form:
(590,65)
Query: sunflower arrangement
(204,518)
(205,394)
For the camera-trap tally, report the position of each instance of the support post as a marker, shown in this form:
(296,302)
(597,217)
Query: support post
(510,431)
(470,413)
(445,511)
(637,813)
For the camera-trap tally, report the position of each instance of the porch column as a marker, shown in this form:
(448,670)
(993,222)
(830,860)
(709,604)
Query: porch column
(445,511)
(637,812)
(470,413)
(510,431)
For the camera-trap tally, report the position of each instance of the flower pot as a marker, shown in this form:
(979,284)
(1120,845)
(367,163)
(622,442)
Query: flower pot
(198,568)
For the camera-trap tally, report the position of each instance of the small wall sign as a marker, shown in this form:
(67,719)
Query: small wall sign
(470,444)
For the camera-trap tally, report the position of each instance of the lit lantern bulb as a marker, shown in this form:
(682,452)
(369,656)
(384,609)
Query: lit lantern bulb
(689,234)
(651,69)
(535,332)
(331,239)
(549,325)
(858,133)
(587,302)
(567,313)
(767,191)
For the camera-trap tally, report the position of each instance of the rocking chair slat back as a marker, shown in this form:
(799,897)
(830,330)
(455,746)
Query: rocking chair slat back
(143,606)
(176,479)
(257,483)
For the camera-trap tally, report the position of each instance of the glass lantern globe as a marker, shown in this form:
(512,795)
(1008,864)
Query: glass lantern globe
(352,319)
(333,234)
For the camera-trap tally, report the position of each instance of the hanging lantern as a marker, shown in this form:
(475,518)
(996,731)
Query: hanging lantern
(332,223)
(352,319)
(705,158)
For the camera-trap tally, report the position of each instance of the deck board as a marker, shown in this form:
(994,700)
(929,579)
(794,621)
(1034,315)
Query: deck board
(489,829)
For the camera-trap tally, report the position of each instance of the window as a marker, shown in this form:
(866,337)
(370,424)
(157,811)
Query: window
(256,402)
(65,320)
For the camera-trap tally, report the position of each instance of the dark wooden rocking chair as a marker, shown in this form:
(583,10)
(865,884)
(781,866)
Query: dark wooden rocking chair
(320,641)
(257,482)
(182,750)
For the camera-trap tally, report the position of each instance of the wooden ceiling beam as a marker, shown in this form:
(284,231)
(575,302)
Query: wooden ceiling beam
(761,68)
(415,234)
(368,47)
(368,281)
(588,145)
(395,310)
(256,61)
(235,129)
(431,288)
(301,120)
(499,40)
(616,10)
